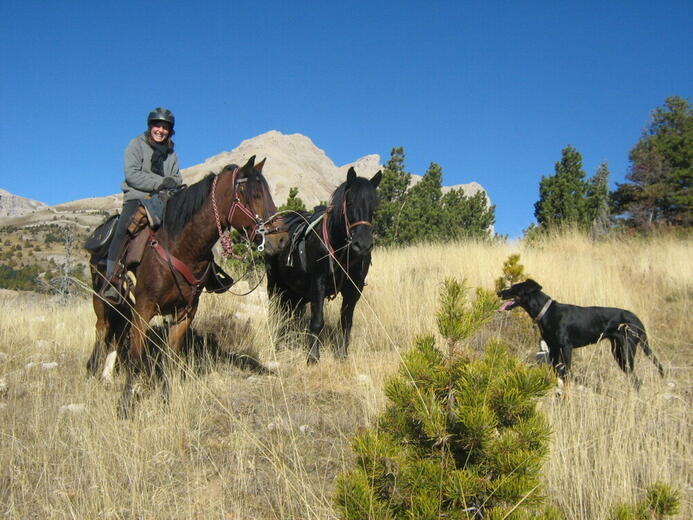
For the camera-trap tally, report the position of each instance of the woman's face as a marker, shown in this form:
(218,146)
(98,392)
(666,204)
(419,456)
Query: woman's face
(159,131)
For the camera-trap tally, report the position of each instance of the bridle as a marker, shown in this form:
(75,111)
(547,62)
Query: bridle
(260,227)
(347,226)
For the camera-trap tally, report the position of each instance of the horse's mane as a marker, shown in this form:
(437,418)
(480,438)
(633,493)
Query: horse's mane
(363,195)
(183,205)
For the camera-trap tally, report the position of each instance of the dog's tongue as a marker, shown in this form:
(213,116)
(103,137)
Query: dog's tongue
(505,305)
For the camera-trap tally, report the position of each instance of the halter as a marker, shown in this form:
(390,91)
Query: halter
(347,226)
(258,229)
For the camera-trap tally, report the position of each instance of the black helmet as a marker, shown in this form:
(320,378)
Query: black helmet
(161,114)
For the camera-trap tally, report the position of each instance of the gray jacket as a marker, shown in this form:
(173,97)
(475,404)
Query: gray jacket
(140,180)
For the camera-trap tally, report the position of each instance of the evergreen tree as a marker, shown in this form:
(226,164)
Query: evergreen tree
(422,218)
(661,170)
(562,196)
(598,200)
(460,437)
(661,500)
(391,194)
(293,202)
(467,216)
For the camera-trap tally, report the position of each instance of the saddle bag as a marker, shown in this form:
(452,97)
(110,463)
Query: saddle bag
(219,281)
(97,243)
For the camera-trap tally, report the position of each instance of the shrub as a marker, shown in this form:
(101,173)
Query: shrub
(460,437)
(660,501)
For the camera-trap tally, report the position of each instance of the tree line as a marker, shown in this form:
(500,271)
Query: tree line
(657,188)
(656,192)
(420,212)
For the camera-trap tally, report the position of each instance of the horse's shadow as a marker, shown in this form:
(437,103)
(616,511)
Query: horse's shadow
(201,353)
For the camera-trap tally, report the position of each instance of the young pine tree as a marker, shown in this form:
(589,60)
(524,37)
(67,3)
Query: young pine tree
(460,438)
(293,203)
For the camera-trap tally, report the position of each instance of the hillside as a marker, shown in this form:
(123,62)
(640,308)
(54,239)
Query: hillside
(292,161)
(14,205)
(34,234)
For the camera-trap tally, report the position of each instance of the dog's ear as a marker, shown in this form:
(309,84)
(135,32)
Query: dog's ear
(531,286)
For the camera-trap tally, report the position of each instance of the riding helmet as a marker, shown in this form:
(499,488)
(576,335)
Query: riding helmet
(161,114)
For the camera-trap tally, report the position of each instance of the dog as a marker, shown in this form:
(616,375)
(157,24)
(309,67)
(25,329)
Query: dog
(564,327)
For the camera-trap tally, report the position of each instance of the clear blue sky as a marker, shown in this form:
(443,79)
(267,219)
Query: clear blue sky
(491,91)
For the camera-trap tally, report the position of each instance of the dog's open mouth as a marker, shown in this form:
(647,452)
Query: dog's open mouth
(507,305)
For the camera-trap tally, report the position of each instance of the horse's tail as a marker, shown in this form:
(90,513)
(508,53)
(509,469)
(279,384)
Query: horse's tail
(638,329)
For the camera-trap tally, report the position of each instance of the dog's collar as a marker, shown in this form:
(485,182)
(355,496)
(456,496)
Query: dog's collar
(543,310)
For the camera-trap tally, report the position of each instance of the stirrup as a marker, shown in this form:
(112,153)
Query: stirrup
(111,294)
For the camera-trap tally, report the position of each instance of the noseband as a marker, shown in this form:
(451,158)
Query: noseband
(348,226)
(260,228)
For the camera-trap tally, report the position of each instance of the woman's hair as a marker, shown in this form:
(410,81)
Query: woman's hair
(148,138)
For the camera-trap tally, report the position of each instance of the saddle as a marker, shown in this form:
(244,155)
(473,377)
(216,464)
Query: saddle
(299,226)
(149,215)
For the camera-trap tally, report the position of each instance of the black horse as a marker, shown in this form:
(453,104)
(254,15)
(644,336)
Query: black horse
(329,252)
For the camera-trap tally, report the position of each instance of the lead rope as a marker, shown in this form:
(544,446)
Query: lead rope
(224,238)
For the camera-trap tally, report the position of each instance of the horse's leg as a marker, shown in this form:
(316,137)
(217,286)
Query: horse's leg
(350,296)
(176,336)
(317,320)
(144,311)
(102,332)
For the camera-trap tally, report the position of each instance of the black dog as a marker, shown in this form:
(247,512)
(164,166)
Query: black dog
(564,327)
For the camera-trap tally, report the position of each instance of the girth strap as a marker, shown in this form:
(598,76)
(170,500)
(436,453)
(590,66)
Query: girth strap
(175,263)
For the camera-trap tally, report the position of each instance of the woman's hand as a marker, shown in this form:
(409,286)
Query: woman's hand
(168,183)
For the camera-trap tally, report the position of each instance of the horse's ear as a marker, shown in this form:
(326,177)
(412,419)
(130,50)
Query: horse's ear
(250,163)
(351,175)
(375,180)
(259,166)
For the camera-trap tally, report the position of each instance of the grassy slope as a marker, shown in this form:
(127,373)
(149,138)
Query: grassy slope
(237,445)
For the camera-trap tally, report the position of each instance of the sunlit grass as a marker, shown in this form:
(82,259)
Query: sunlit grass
(235,444)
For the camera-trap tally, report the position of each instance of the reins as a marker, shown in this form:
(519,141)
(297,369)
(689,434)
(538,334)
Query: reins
(331,253)
(259,228)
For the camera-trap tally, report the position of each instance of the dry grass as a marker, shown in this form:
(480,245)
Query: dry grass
(236,445)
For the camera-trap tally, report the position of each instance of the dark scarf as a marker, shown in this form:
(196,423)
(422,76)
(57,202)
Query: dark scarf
(161,151)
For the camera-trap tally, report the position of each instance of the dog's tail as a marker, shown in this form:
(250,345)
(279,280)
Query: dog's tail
(639,331)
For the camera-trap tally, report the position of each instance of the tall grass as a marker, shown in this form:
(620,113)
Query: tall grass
(236,445)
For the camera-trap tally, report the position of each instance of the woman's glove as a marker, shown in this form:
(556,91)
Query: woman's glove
(168,183)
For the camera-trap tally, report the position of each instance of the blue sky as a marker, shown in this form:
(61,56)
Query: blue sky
(491,91)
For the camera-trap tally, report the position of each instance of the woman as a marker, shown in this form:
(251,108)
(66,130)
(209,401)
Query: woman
(151,165)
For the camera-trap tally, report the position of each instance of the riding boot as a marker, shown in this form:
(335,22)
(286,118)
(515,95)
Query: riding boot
(111,290)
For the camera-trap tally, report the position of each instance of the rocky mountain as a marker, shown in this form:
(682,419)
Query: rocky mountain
(14,205)
(292,161)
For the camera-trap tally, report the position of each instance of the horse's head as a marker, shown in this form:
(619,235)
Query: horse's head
(354,203)
(255,211)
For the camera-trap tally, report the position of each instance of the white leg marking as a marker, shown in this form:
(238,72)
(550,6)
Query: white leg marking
(107,374)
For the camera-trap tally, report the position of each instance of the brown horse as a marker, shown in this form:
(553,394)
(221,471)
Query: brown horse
(176,263)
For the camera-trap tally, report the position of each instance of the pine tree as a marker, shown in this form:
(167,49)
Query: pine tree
(513,272)
(422,218)
(467,216)
(460,437)
(661,171)
(598,211)
(562,196)
(391,194)
(660,501)
(293,202)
